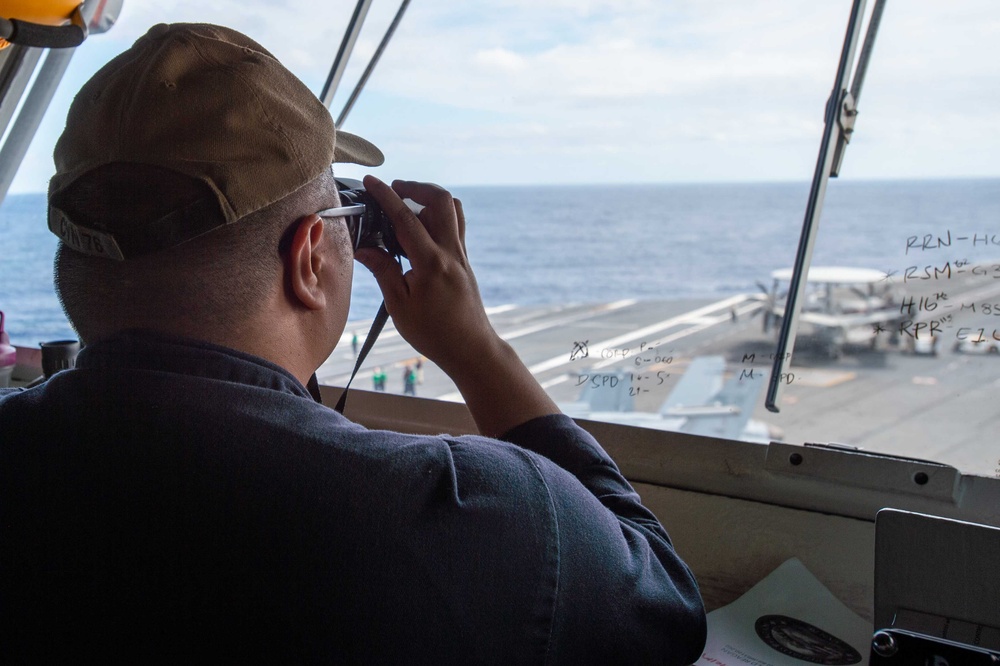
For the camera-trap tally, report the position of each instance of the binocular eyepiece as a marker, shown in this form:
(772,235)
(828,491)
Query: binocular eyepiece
(373,227)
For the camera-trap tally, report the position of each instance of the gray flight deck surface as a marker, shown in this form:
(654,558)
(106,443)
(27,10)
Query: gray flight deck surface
(941,407)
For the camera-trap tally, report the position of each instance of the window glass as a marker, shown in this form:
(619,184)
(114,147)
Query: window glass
(635,176)
(658,304)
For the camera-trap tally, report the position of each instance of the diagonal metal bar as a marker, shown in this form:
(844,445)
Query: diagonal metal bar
(371,64)
(15,73)
(15,147)
(344,52)
(849,107)
(814,207)
(866,50)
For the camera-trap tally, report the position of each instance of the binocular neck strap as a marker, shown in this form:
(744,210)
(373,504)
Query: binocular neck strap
(380,318)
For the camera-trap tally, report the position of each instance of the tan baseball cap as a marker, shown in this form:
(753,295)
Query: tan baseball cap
(206,102)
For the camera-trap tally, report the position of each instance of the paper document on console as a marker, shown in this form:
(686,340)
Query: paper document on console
(787,619)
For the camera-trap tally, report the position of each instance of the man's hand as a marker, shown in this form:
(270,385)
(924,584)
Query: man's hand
(437,308)
(435,305)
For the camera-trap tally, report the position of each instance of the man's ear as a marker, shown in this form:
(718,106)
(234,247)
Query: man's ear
(305,263)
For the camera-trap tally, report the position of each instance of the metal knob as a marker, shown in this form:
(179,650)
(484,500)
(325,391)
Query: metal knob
(884,644)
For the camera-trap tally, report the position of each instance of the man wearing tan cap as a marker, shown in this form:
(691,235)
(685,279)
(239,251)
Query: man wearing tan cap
(181,496)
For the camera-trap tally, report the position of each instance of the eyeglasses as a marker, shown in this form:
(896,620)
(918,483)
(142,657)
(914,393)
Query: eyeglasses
(354,217)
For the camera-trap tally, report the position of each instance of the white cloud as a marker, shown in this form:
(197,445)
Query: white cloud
(743,82)
(500,59)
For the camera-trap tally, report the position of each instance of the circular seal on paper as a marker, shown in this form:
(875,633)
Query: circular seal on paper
(804,641)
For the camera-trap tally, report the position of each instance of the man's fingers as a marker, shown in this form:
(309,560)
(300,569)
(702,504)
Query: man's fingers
(425,194)
(461,221)
(410,231)
(439,211)
(388,274)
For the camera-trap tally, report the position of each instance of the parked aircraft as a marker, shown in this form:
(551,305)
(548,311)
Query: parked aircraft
(843,307)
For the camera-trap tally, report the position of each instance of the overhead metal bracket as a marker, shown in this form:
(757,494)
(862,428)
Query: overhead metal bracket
(848,114)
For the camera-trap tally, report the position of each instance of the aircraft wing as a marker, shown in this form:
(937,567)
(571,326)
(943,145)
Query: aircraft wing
(850,320)
(701,403)
(601,392)
(709,406)
(699,385)
(736,401)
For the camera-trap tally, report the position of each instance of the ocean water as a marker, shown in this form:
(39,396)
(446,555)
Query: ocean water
(572,244)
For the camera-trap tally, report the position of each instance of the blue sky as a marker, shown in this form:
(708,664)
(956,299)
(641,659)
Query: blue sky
(593,91)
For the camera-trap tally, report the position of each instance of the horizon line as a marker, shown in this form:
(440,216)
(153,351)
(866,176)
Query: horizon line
(646,183)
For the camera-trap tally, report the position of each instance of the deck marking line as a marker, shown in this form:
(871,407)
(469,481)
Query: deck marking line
(653,328)
(553,323)
(562,359)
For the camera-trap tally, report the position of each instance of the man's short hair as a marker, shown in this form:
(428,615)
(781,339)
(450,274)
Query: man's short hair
(210,283)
